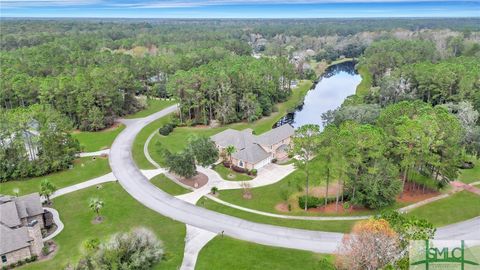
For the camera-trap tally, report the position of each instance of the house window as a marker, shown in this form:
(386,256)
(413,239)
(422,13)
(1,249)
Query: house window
(240,163)
(4,259)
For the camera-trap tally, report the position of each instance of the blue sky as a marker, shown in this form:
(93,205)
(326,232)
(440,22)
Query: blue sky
(238,9)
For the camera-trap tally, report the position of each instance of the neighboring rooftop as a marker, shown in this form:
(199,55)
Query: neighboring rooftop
(13,209)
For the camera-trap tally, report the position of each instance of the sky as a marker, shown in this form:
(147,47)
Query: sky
(238,9)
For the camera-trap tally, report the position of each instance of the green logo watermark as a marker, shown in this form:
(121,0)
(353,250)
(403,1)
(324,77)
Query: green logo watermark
(443,254)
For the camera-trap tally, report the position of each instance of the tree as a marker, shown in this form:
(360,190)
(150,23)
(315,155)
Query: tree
(139,249)
(372,244)
(182,164)
(230,150)
(305,146)
(96,204)
(47,189)
(204,150)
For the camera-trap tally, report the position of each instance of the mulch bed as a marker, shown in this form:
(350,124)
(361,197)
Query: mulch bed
(410,195)
(197,181)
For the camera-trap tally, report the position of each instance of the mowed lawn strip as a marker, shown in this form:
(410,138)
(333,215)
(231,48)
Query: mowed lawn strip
(330,226)
(84,169)
(364,87)
(121,213)
(98,140)
(471,175)
(228,253)
(167,185)
(153,106)
(458,207)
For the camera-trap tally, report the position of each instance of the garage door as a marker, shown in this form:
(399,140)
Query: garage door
(263,163)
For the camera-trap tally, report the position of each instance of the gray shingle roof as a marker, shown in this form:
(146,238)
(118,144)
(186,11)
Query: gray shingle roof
(13,239)
(276,135)
(9,215)
(252,154)
(248,145)
(29,205)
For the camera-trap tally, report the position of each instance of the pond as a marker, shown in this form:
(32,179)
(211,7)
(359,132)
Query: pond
(333,87)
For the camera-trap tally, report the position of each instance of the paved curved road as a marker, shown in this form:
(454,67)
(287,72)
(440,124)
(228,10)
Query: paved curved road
(138,186)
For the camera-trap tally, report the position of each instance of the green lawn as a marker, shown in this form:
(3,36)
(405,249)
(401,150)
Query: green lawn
(228,253)
(470,175)
(154,105)
(364,87)
(121,213)
(177,140)
(167,185)
(332,226)
(232,175)
(84,169)
(455,208)
(99,140)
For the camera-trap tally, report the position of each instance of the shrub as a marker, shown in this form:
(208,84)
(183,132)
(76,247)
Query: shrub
(274,160)
(254,172)
(312,202)
(214,190)
(166,129)
(238,169)
(45,249)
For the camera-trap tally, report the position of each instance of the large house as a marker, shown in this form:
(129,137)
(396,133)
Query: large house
(21,222)
(254,152)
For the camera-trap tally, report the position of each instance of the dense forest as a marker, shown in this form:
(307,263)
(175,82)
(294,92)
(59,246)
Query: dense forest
(93,71)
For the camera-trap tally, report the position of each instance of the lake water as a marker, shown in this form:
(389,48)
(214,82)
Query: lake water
(337,83)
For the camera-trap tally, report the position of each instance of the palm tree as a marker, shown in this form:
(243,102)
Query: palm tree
(230,150)
(47,189)
(96,204)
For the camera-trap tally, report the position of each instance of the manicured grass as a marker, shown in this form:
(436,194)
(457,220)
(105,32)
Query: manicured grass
(167,185)
(177,140)
(83,169)
(232,175)
(455,208)
(470,175)
(332,226)
(154,105)
(364,87)
(137,150)
(121,213)
(228,253)
(99,140)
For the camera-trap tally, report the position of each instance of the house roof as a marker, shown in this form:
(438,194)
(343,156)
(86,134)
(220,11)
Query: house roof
(13,239)
(29,205)
(12,209)
(253,153)
(276,135)
(248,145)
(9,215)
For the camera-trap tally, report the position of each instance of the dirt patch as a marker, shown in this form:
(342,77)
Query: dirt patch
(197,181)
(97,220)
(413,194)
(282,207)
(320,191)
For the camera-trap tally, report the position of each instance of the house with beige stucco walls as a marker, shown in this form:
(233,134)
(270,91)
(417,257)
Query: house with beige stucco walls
(252,151)
(21,224)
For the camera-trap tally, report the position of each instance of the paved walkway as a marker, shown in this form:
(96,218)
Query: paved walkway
(57,221)
(92,154)
(467,187)
(195,240)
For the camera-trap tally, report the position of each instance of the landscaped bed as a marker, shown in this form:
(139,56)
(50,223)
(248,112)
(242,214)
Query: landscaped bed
(167,185)
(83,169)
(246,255)
(121,213)
(229,174)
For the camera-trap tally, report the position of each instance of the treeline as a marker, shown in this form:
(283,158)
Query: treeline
(233,89)
(93,78)
(34,141)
